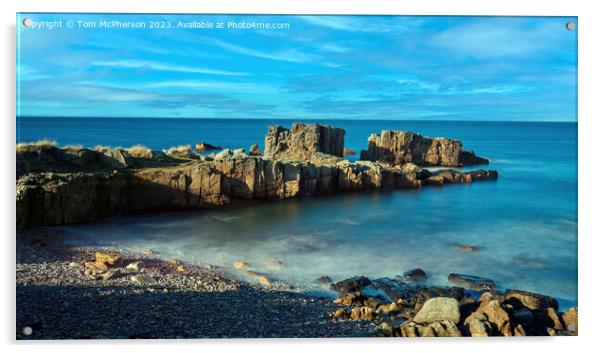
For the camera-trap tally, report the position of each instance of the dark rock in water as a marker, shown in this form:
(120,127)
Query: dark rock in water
(203,146)
(472,282)
(467,248)
(302,140)
(451,176)
(416,274)
(401,147)
(323,280)
(531,301)
(350,285)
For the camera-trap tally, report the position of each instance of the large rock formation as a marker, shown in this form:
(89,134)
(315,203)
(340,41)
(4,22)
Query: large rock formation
(302,140)
(400,147)
(61,186)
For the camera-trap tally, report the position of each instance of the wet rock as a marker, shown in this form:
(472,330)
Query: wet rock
(350,285)
(467,248)
(241,265)
(323,280)
(416,274)
(351,298)
(532,301)
(471,282)
(439,309)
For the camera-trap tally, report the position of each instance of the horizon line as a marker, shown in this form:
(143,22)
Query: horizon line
(295,119)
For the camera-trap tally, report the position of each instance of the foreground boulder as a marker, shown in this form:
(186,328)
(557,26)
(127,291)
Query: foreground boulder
(401,147)
(439,309)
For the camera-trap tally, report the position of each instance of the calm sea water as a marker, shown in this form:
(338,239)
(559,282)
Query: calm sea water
(525,224)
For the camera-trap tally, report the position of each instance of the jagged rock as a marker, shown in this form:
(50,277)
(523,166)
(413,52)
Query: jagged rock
(135,266)
(203,146)
(439,309)
(435,329)
(401,147)
(471,282)
(111,259)
(362,313)
(86,194)
(477,325)
(254,150)
(496,316)
(351,298)
(570,318)
(532,301)
(351,285)
(302,140)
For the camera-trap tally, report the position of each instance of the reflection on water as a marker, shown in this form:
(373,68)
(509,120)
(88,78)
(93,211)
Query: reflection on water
(375,234)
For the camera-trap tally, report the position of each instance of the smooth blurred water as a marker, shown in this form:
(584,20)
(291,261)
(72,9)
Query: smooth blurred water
(525,224)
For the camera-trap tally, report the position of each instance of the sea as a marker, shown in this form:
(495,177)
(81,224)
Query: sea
(524,225)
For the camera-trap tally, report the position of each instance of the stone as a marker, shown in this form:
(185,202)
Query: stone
(302,140)
(110,274)
(340,313)
(362,313)
(529,300)
(384,329)
(439,309)
(323,280)
(111,259)
(181,268)
(477,325)
(350,285)
(570,319)
(148,251)
(142,279)
(553,320)
(444,328)
(467,248)
(401,147)
(203,146)
(416,274)
(96,267)
(254,150)
(351,298)
(75,264)
(471,282)
(241,265)
(135,266)
(496,316)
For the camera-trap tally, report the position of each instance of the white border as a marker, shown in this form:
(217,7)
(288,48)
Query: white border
(590,231)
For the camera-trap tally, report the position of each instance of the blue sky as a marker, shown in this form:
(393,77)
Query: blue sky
(320,67)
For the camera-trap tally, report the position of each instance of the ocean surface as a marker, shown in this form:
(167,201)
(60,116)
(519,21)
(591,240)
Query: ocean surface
(524,225)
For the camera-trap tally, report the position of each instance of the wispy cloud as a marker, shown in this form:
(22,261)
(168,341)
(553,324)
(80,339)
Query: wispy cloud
(289,55)
(215,86)
(158,66)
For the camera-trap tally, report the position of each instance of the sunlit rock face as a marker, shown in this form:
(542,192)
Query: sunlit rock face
(401,147)
(304,139)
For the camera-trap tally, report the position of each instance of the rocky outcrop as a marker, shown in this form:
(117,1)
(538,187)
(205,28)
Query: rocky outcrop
(58,186)
(401,147)
(405,308)
(302,140)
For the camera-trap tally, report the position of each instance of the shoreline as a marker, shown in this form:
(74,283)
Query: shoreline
(58,300)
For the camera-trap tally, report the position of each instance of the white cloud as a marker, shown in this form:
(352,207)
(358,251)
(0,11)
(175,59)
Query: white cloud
(157,66)
(288,55)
